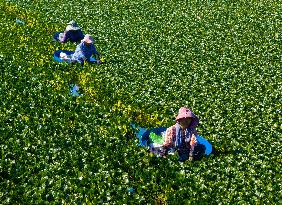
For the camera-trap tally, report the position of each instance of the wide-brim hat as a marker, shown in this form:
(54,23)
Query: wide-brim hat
(72,25)
(184,112)
(87,39)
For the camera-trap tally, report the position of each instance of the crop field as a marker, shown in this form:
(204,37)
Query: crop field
(220,58)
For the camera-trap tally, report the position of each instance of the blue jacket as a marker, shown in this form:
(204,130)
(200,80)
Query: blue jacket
(84,52)
(72,35)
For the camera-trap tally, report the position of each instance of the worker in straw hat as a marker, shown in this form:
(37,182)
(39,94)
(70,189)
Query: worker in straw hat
(85,50)
(183,135)
(72,33)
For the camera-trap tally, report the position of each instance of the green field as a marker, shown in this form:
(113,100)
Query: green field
(220,58)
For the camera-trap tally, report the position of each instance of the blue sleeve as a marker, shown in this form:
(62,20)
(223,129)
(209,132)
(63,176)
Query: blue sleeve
(81,35)
(78,54)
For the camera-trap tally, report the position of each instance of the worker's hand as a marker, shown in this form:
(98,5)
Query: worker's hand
(193,141)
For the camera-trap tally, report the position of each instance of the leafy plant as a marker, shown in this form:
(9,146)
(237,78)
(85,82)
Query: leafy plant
(222,59)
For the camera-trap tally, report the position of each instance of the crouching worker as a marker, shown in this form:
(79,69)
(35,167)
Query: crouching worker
(183,137)
(72,33)
(85,50)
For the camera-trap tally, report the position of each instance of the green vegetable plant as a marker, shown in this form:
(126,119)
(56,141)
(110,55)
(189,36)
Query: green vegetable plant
(220,58)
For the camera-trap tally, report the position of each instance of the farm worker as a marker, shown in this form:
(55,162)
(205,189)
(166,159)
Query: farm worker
(183,135)
(85,50)
(72,33)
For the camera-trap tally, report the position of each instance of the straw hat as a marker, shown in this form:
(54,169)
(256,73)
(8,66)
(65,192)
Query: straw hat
(72,25)
(87,39)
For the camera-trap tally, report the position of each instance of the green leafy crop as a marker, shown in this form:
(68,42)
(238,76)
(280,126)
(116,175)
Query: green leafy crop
(220,58)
